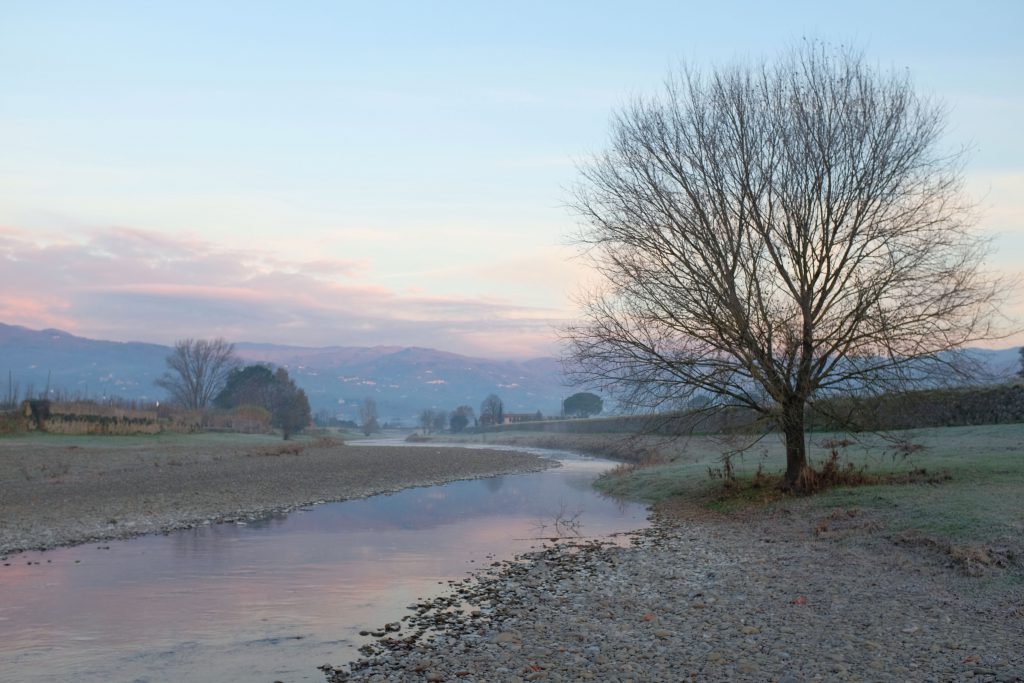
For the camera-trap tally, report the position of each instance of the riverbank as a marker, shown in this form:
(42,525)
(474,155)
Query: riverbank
(919,576)
(60,490)
(956,485)
(765,597)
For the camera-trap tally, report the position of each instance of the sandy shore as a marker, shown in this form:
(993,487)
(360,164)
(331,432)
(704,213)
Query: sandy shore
(65,490)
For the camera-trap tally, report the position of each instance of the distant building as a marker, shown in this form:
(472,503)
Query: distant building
(513,418)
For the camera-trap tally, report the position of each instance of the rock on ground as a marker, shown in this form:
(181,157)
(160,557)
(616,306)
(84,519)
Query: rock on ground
(764,599)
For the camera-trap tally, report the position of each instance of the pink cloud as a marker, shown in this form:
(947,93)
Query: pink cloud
(130,284)
(332,266)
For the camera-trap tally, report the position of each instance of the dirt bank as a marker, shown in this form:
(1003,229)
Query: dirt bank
(65,490)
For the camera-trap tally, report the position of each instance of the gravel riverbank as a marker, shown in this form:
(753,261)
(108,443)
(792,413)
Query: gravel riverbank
(60,491)
(776,597)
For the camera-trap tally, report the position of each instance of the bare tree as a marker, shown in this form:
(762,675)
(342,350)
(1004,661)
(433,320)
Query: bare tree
(1020,373)
(368,416)
(426,418)
(197,371)
(775,235)
(492,411)
(10,400)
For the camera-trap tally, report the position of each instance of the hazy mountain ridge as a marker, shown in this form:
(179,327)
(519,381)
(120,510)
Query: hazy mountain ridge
(403,380)
(78,365)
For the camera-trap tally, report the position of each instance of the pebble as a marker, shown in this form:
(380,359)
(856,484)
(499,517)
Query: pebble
(709,600)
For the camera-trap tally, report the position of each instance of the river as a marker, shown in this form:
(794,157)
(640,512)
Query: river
(271,600)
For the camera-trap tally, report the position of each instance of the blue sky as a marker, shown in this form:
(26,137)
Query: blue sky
(362,173)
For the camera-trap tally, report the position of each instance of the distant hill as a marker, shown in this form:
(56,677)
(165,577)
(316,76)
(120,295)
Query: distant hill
(78,365)
(1001,364)
(402,380)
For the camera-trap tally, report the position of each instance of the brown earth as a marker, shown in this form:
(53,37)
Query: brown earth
(58,490)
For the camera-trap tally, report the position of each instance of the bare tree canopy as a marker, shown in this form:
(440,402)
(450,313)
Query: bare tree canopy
(772,235)
(492,411)
(197,371)
(432,420)
(368,416)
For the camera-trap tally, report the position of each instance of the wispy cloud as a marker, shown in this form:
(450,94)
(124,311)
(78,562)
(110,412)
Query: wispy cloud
(130,284)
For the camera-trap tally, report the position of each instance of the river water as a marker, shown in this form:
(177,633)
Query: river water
(271,600)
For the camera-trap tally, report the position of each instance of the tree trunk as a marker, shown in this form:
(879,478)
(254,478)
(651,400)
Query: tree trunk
(796,446)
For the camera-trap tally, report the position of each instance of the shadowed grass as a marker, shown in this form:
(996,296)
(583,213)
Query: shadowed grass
(965,484)
(963,493)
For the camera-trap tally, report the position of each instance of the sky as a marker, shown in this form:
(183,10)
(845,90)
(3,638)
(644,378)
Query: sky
(341,173)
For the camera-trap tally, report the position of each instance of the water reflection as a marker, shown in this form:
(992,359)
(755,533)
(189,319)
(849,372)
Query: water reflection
(272,599)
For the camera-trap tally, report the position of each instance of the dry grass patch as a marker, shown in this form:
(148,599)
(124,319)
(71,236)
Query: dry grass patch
(968,558)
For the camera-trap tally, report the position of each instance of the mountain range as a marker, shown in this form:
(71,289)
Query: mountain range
(403,380)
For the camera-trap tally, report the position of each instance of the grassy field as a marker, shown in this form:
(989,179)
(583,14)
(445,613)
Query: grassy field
(982,498)
(966,482)
(965,485)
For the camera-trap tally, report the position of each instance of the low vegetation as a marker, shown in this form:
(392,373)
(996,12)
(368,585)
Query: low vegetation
(110,417)
(953,488)
(209,391)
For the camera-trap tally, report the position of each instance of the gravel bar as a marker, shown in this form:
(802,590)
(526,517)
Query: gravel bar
(55,492)
(761,599)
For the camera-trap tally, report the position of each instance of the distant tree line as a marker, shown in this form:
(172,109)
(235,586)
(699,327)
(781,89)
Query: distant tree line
(202,373)
(492,413)
(326,418)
